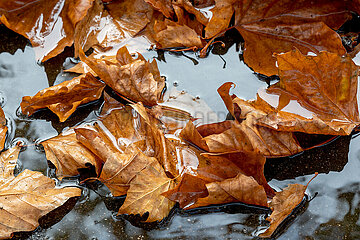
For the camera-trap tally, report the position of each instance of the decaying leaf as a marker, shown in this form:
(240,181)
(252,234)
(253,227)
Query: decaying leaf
(48,24)
(134,78)
(279,26)
(3,129)
(238,189)
(8,163)
(282,205)
(144,194)
(331,97)
(68,154)
(26,198)
(64,98)
(187,191)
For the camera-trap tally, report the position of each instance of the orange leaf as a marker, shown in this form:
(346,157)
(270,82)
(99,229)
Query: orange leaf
(64,98)
(48,24)
(238,189)
(3,129)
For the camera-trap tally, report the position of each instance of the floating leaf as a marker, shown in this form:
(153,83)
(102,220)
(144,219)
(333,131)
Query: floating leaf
(238,189)
(3,129)
(48,24)
(144,194)
(64,98)
(68,154)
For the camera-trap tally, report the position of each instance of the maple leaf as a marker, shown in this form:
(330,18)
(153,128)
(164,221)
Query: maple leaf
(144,194)
(64,98)
(279,26)
(134,78)
(3,129)
(238,189)
(26,197)
(331,97)
(48,24)
(68,154)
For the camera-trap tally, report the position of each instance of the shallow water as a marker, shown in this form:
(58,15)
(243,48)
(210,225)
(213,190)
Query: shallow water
(333,214)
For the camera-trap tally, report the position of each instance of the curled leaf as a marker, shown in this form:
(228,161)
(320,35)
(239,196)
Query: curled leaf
(64,98)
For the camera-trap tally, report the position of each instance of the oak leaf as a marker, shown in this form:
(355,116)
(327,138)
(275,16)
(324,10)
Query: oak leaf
(144,194)
(64,98)
(68,154)
(238,189)
(134,78)
(48,24)
(279,26)
(26,198)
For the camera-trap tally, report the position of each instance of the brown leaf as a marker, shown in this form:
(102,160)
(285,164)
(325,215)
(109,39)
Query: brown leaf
(68,154)
(134,78)
(144,194)
(64,98)
(331,97)
(3,129)
(26,198)
(282,205)
(164,6)
(238,189)
(105,27)
(117,174)
(48,24)
(279,26)
(8,161)
(187,191)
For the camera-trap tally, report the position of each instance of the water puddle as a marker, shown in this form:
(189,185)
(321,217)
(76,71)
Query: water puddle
(333,213)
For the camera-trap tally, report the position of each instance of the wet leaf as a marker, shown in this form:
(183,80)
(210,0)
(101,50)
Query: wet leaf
(282,205)
(187,191)
(64,98)
(8,161)
(48,24)
(279,26)
(105,27)
(144,194)
(3,129)
(238,189)
(164,6)
(26,198)
(68,154)
(330,97)
(134,78)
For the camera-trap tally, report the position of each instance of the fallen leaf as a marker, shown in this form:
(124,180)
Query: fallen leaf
(68,154)
(64,98)
(134,78)
(282,205)
(279,26)
(8,161)
(144,194)
(331,97)
(105,27)
(238,189)
(164,6)
(48,24)
(26,198)
(187,191)
(3,129)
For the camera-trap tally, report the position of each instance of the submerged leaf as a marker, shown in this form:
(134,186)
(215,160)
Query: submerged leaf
(64,98)
(144,194)
(26,198)
(8,161)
